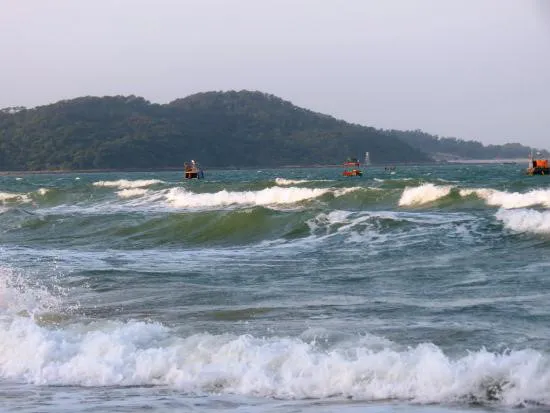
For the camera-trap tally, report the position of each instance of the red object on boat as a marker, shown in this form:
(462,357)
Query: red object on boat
(352,165)
(352,172)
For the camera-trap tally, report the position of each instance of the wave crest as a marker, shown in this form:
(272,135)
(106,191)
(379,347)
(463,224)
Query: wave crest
(132,192)
(286,182)
(13,197)
(182,198)
(137,353)
(525,220)
(510,200)
(127,184)
(423,194)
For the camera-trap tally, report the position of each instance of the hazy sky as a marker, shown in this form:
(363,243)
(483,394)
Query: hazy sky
(474,69)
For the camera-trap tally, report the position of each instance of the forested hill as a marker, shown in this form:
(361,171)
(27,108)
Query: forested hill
(441,148)
(231,129)
(220,129)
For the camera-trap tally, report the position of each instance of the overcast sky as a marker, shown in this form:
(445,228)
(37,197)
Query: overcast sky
(473,69)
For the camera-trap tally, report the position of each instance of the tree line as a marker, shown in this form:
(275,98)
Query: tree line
(220,129)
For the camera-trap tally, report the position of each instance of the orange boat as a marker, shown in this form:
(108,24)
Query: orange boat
(352,168)
(193,170)
(538,166)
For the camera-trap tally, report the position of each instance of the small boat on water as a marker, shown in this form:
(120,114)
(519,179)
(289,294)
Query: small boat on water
(193,170)
(537,166)
(352,167)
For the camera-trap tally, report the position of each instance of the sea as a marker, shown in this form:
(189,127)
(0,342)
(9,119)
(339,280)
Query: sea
(419,289)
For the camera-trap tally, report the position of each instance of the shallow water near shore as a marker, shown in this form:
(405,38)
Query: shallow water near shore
(423,289)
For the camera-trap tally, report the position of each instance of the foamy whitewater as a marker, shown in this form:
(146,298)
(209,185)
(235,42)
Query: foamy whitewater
(296,290)
(127,184)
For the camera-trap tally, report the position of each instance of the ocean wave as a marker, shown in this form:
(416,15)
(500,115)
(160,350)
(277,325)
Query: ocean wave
(428,192)
(423,194)
(510,200)
(525,220)
(136,353)
(132,192)
(127,184)
(286,182)
(345,221)
(181,198)
(13,197)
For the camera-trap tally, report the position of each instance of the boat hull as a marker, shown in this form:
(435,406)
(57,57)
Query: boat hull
(354,172)
(192,170)
(538,171)
(194,175)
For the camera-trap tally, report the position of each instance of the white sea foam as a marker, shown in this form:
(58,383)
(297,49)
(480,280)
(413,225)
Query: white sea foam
(525,220)
(127,184)
(510,200)
(344,191)
(367,223)
(43,191)
(114,353)
(12,197)
(286,182)
(137,353)
(131,193)
(423,194)
(181,198)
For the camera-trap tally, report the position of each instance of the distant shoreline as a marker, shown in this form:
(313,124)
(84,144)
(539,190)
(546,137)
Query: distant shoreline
(518,161)
(491,161)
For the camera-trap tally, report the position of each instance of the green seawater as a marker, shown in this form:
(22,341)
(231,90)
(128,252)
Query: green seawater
(422,289)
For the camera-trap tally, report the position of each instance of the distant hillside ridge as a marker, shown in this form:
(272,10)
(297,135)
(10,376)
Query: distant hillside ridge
(219,129)
(446,148)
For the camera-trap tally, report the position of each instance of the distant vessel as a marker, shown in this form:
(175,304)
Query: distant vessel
(193,170)
(537,166)
(352,167)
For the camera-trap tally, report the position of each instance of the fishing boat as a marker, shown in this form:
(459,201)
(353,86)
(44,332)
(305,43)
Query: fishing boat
(537,166)
(352,168)
(193,170)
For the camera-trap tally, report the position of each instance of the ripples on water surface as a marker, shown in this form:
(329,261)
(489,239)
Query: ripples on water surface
(422,289)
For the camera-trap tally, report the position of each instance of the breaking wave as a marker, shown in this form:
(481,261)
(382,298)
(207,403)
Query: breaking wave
(525,220)
(181,198)
(427,193)
(127,184)
(13,197)
(510,200)
(21,295)
(131,192)
(138,353)
(368,368)
(423,194)
(286,182)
